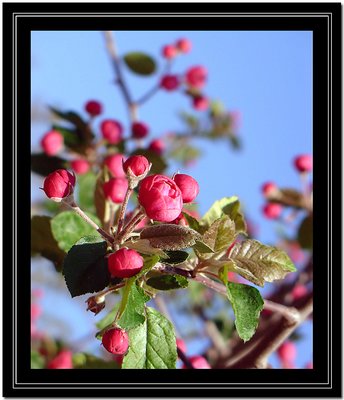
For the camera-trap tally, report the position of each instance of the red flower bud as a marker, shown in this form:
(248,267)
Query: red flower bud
(138,165)
(198,362)
(62,361)
(287,352)
(200,103)
(115,189)
(36,311)
(116,341)
(188,186)
(161,198)
(272,210)
(269,188)
(169,82)
(304,163)
(94,108)
(114,163)
(298,292)
(157,146)
(80,166)
(125,263)
(196,76)
(169,51)
(181,345)
(111,130)
(52,143)
(139,130)
(59,184)
(184,45)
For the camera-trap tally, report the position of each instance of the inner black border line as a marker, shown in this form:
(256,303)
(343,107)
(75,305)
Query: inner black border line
(329,112)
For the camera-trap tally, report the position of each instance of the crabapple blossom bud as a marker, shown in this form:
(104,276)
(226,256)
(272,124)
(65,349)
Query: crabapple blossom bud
(36,311)
(188,186)
(139,130)
(111,130)
(298,292)
(304,163)
(196,76)
(269,188)
(181,345)
(80,166)
(115,189)
(198,362)
(287,352)
(116,341)
(184,45)
(161,198)
(157,146)
(169,51)
(272,210)
(62,361)
(95,304)
(59,184)
(125,263)
(114,162)
(200,103)
(169,82)
(52,142)
(94,108)
(136,165)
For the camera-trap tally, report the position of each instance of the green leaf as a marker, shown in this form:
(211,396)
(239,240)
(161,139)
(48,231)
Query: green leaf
(193,223)
(259,263)
(44,165)
(88,361)
(305,233)
(220,234)
(68,227)
(140,63)
(143,246)
(37,361)
(229,206)
(134,312)
(70,136)
(247,304)
(201,247)
(158,163)
(175,257)
(87,185)
(43,242)
(287,197)
(85,267)
(152,344)
(170,236)
(108,319)
(168,282)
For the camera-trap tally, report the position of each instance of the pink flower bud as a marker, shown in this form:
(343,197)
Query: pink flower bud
(62,361)
(287,352)
(136,165)
(116,341)
(80,166)
(298,292)
(196,76)
(304,163)
(169,82)
(52,143)
(125,263)
(157,146)
(272,210)
(198,362)
(200,103)
(169,51)
(188,186)
(35,311)
(111,130)
(181,345)
(114,163)
(269,188)
(161,198)
(184,45)
(115,189)
(94,108)
(59,184)
(139,130)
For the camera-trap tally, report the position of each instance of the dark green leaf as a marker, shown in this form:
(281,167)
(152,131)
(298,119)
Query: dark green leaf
(158,163)
(170,236)
(37,361)
(152,344)
(70,136)
(43,242)
(85,267)
(168,282)
(140,63)
(44,165)
(175,257)
(305,233)
(68,227)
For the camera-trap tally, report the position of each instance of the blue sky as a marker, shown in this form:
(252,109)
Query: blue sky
(265,75)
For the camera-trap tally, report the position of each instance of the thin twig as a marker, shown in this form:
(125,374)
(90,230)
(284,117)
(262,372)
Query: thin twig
(123,209)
